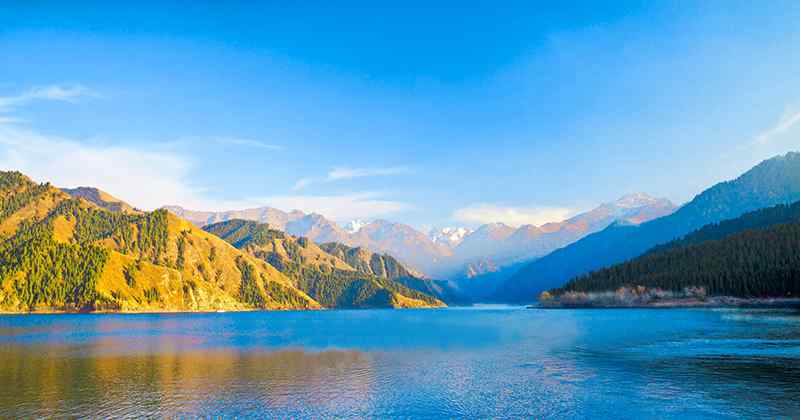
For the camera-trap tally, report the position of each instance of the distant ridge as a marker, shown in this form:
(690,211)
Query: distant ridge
(411,247)
(499,245)
(101,199)
(447,253)
(493,253)
(274,217)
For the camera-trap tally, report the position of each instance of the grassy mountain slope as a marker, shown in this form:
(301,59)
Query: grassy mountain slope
(751,256)
(60,253)
(326,277)
(771,182)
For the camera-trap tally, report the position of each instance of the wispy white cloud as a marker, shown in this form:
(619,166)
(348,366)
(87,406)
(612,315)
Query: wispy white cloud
(304,182)
(348,173)
(787,121)
(769,142)
(10,120)
(249,143)
(63,93)
(149,178)
(338,174)
(510,215)
(145,178)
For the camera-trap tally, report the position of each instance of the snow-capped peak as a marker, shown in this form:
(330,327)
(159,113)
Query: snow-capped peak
(449,235)
(635,200)
(354,226)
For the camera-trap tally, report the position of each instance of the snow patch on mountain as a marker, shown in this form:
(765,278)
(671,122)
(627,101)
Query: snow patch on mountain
(636,200)
(451,236)
(354,226)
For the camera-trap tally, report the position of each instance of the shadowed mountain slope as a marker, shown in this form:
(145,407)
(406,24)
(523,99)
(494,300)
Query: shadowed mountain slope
(774,181)
(754,255)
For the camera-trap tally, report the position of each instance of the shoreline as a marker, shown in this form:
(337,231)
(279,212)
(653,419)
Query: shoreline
(166,312)
(62,312)
(709,303)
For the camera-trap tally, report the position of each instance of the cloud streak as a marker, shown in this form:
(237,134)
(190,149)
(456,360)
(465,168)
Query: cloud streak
(120,171)
(339,174)
(250,143)
(510,215)
(786,123)
(62,93)
(123,171)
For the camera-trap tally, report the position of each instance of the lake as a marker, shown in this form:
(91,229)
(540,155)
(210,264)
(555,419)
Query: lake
(448,363)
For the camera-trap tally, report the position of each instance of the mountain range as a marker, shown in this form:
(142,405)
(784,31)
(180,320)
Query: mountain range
(773,181)
(403,242)
(448,253)
(333,274)
(83,249)
(498,262)
(493,246)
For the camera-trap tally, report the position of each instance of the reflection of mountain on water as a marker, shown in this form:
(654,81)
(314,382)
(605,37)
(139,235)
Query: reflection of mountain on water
(60,381)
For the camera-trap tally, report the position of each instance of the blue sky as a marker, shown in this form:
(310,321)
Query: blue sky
(450,115)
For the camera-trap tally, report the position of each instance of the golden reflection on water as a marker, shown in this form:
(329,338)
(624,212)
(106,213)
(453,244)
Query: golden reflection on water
(95,383)
(447,364)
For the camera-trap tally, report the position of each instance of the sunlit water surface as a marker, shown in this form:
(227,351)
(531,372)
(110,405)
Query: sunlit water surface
(452,363)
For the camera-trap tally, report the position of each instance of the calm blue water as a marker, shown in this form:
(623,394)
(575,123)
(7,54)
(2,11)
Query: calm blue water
(507,362)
